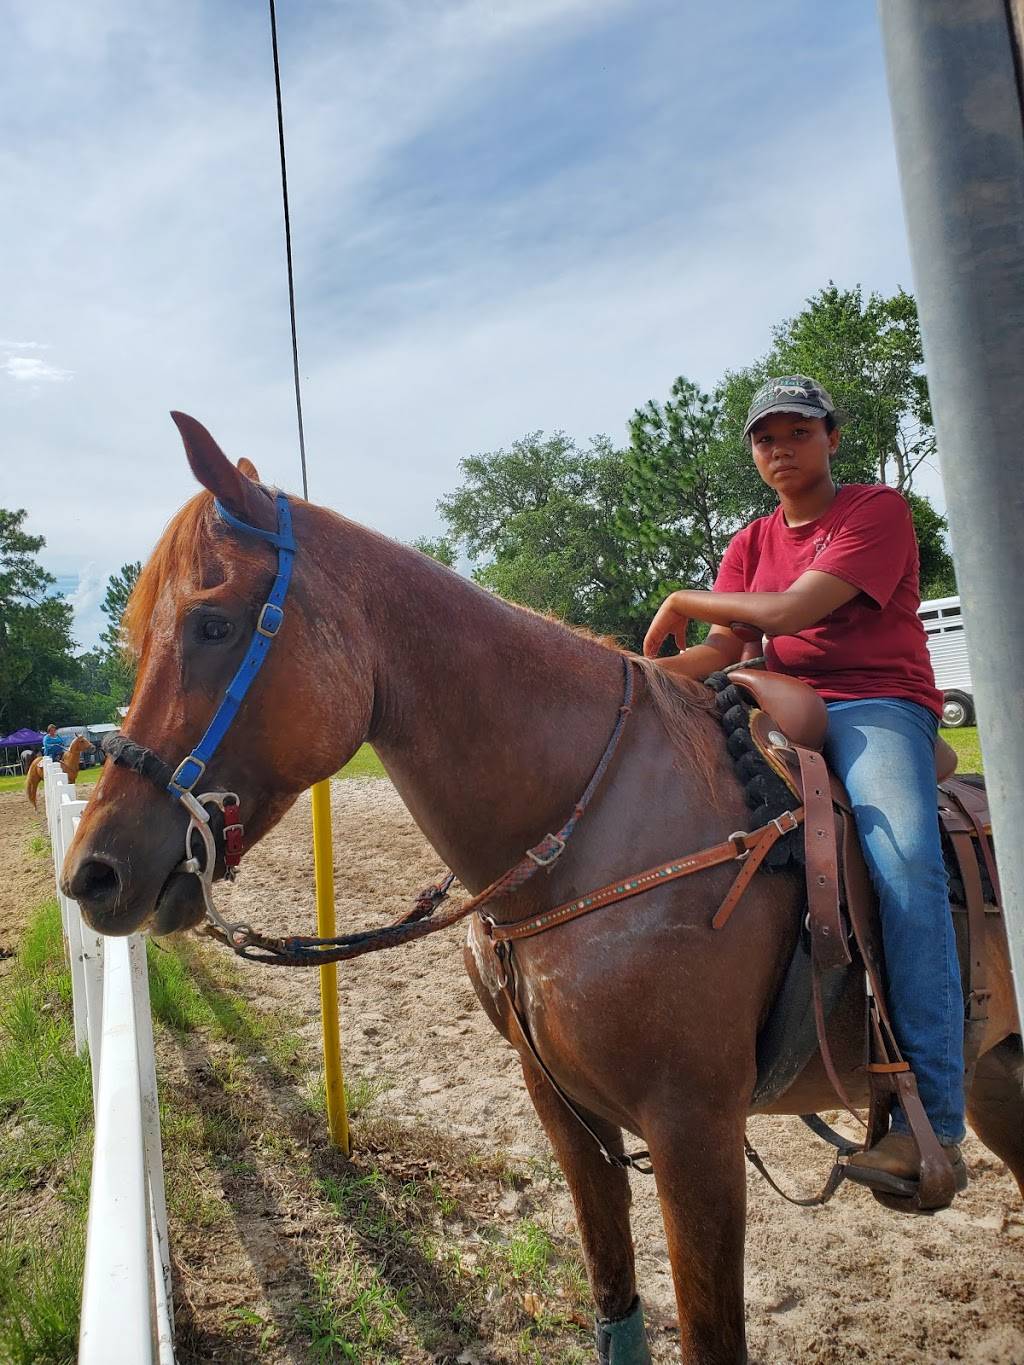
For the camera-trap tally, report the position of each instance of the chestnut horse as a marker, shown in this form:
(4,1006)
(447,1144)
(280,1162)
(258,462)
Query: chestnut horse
(70,762)
(489,720)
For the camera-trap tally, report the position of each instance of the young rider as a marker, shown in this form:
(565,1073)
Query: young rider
(53,745)
(831,578)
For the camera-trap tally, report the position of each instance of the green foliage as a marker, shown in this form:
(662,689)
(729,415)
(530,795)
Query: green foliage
(938,576)
(686,491)
(119,663)
(35,628)
(440,549)
(538,523)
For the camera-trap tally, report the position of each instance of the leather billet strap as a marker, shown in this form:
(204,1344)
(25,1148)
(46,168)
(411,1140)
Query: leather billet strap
(977,992)
(736,848)
(829,947)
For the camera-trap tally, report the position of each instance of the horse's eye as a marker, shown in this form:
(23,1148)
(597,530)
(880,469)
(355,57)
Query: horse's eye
(214,628)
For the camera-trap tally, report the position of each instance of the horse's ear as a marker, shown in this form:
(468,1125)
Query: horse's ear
(236,486)
(247,468)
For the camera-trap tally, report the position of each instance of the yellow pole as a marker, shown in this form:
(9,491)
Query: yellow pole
(323,862)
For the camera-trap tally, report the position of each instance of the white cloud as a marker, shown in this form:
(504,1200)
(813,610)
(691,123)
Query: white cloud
(29,370)
(84,600)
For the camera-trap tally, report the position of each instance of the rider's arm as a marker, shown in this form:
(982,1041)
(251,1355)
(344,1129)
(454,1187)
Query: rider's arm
(812,597)
(719,650)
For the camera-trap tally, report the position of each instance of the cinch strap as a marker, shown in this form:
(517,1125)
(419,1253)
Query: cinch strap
(271,617)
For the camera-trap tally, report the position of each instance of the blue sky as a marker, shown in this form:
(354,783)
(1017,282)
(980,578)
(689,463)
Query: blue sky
(505,217)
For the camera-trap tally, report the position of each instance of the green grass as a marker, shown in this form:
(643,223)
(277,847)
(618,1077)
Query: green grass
(45,1141)
(363,763)
(968,747)
(17,784)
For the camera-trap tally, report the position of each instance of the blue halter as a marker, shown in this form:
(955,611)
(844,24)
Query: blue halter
(190,769)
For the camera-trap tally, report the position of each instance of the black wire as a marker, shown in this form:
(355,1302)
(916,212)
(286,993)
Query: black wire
(288,247)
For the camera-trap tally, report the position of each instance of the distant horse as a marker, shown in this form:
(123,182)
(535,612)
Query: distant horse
(489,720)
(70,762)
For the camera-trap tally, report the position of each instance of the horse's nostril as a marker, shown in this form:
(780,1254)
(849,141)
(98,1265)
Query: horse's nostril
(95,884)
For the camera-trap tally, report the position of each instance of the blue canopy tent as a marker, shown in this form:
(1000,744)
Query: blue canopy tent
(17,740)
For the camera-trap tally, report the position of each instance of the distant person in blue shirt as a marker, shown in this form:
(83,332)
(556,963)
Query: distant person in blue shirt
(53,745)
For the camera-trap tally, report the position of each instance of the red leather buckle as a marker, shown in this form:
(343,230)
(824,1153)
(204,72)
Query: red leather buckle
(234,837)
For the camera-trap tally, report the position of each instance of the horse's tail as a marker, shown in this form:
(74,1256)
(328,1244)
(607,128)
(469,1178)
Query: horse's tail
(32,781)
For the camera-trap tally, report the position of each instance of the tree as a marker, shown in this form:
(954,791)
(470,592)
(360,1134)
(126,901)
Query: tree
(687,490)
(440,549)
(35,628)
(938,576)
(120,665)
(537,522)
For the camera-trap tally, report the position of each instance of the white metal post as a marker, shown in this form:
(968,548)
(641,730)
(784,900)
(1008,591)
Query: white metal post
(955,85)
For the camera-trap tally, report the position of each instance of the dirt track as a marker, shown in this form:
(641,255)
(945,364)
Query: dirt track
(850,1282)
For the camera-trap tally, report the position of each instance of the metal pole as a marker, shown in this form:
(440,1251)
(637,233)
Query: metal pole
(323,862)
(956,97)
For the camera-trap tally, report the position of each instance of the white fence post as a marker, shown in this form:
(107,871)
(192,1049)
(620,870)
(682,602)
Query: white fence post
(127,1315)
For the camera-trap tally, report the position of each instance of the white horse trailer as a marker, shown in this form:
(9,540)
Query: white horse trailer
(947,644)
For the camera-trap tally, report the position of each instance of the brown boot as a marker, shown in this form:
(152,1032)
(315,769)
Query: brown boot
(893,1165)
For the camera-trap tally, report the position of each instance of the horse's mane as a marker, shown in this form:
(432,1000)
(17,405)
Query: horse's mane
(177,555)
(681,704)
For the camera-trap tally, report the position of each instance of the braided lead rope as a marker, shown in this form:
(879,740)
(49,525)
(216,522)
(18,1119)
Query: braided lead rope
(301,951)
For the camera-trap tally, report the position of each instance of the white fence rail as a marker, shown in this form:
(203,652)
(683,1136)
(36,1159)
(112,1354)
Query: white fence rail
(127,1317)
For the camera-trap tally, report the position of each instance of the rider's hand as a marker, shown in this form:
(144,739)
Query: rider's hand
(668,620)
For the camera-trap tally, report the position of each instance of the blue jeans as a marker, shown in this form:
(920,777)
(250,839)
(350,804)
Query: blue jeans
(884,752)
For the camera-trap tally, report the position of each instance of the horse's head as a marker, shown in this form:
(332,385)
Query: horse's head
(192,617)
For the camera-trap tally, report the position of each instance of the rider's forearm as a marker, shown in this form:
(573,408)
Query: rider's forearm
(701,660)
(773,613)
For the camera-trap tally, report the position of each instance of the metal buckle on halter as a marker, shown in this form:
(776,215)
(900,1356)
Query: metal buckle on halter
(178,783)
(791,824)
(270,620)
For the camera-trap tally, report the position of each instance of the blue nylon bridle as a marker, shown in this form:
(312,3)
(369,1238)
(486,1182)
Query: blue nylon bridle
(190,769)
(180,783)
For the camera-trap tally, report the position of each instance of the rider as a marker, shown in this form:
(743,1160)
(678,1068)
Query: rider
(831,578)
(53,745)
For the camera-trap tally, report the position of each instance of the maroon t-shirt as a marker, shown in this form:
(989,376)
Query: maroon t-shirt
(875,645)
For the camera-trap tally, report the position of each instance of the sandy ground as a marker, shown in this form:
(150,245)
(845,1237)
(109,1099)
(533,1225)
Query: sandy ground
(849,1282)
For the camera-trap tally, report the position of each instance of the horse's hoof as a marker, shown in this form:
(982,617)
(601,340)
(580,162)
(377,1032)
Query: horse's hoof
(623,1341)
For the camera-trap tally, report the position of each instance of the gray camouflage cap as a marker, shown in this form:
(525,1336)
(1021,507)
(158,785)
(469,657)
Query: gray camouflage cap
(790,393)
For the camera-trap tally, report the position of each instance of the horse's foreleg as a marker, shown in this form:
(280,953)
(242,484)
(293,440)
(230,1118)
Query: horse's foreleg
(699,1168)
(600,1194)
(995,1106)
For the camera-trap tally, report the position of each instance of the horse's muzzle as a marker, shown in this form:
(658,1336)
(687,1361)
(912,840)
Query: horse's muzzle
(100,885)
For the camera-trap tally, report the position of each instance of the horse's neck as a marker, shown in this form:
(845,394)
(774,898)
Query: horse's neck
(488,719)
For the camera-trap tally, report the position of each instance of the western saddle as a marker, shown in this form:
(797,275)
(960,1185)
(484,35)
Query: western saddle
(788,722)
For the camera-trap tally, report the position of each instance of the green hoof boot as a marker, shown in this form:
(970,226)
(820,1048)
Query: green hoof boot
(623,1341)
